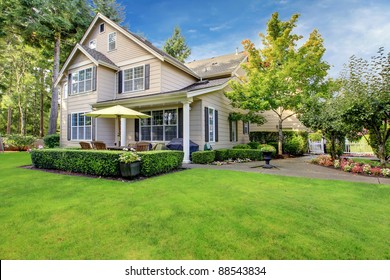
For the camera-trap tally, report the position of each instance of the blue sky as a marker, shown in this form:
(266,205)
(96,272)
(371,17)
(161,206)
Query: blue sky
(216,27)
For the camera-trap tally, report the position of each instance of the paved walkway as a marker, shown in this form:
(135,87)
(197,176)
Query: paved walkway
(296,167)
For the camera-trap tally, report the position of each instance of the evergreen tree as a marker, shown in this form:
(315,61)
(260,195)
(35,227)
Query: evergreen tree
(110,9)
(176,46)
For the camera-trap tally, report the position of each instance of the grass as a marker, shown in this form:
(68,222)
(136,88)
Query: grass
(193,214)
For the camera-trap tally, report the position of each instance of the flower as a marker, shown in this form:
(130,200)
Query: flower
(347,168)
(376,171)
(336,163)
(367,169)
(129,157)
(386,172)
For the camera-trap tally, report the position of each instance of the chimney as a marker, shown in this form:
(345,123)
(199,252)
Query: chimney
(236,51)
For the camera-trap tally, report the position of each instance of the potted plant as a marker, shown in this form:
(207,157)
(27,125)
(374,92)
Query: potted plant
(267,151)
(130,164)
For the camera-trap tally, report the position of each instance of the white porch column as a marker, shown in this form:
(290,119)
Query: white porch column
(123,132)
(186,130)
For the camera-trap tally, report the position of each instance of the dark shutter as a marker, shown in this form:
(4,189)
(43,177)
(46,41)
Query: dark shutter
(230,130)
(147,76)
(243,127)
(248,128)
(206,124)
(216,125)
(93,121)
(180,122)
(236,131)
(69,126)
(120,84)
(136,129)
(94,78)
(69,84)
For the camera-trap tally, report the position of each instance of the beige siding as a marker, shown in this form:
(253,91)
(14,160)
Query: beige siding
(106,79)
(126,49)
(291,123)
(155,78)
(174,79)
(74,104)
(196,123)
(105,131)
(218,101)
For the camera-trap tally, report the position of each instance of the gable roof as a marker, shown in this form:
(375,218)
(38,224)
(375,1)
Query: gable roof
(142,42)
(217,66)
(96,58)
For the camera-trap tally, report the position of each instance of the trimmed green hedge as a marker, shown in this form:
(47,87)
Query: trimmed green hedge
(99,163)
(157,162)
(203,157)
(242,146)
(104,163)
(52,141)
(225,154)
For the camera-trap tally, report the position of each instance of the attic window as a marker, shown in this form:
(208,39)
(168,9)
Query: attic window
(92,44)
(101,28)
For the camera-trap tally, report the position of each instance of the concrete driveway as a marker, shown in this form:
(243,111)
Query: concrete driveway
(296,167)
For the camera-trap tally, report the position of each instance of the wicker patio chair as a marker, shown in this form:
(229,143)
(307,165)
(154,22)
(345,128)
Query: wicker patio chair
(85,146)
(142,146)
(99,145)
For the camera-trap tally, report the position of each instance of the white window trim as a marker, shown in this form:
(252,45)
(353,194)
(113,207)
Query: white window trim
(89,45)
(65,90)
(211,141)
(108,42)
(71,127)
(104,27)
(151,126)
(143,84)
(84,92)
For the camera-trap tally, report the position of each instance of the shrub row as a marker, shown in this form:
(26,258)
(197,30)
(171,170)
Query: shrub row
(225,154)
(157,162)
(203,157)
(104,163)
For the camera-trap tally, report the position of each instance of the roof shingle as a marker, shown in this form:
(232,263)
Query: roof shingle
(98,56)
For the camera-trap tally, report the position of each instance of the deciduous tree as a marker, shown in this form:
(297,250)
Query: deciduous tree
(280,76)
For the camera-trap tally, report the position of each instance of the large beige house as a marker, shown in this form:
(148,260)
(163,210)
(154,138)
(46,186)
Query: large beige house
(112,66)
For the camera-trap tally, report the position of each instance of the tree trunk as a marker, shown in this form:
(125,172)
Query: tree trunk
(382,154)
(280,140)
(54,90)
(9,120)
(41,128)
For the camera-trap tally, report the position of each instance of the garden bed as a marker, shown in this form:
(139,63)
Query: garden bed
(365,167)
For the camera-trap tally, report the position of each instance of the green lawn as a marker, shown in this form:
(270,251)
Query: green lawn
(194,214)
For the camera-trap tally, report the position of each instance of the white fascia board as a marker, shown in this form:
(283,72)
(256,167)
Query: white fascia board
(77,47)
(122,30)
(234,73)
(108,65)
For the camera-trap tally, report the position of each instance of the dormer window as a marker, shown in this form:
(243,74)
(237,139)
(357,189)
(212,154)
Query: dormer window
(92,44)
(112,41)
(101,28)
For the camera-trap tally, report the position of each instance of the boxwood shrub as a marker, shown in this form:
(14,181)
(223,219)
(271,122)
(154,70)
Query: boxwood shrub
(225,154)
(100,163)
(157,162)
(52,141)
(242,146)
(203,157)
(104,163)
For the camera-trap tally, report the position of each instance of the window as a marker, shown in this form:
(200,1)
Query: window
(233,131)
(82,81)
(92,44)
(112,41)
(101,28)
(161,127)
(211,125)
(134,79)
(246,127)
(81,127)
